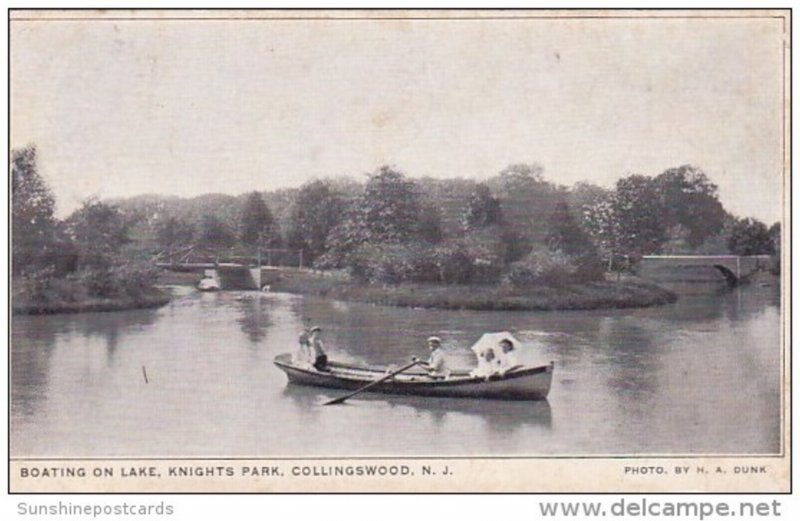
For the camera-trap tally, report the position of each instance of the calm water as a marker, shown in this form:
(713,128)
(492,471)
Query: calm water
(699,376)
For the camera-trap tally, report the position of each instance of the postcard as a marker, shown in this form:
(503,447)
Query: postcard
(399,251)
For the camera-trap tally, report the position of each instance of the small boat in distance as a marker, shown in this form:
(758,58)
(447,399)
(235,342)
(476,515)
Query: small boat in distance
(523,383)
(208,284)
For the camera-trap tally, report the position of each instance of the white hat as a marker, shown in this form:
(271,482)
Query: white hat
(435,339)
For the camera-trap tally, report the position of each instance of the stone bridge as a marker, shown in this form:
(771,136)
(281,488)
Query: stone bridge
(733,268)
(230,276)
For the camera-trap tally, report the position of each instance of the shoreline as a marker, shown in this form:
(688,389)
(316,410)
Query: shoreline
(153,299)
(623,294)
(587,296)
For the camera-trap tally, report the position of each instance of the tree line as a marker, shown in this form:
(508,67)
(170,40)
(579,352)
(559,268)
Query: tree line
(514,228)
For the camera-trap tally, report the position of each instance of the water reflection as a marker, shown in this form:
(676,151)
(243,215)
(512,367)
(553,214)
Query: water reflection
(31,352)
(632,356)
(112,327)
(659,380)
(254,320)
(497,415)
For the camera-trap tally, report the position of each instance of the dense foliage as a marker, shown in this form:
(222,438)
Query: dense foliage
(80,258)
(515,229)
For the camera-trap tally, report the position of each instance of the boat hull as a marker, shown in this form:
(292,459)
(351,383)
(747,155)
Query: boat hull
(530,383)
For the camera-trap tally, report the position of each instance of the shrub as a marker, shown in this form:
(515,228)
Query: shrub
(98,282)
(542,267)
(134,279)
(455,264)
(130,279)
(36,285)
(590,268)
(382,263)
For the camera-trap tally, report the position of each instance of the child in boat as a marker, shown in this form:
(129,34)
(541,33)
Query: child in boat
(302,356)
(436,364)
(487,361)
(319,358)
(496,361)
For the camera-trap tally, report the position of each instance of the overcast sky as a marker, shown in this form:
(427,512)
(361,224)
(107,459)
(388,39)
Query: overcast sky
(119,108)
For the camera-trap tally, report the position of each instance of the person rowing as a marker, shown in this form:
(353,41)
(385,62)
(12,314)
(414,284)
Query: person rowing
(435,365)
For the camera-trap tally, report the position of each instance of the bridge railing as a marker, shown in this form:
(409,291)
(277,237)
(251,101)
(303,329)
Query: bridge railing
(275,257)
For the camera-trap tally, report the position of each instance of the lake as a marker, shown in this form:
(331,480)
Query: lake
(701,376)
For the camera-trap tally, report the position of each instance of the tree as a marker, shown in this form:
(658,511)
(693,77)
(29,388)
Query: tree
(526,199)
(257,225)
(521,176)
(429,224)
(565,234)
(390,207)
(482,209)
(750,237)
(215,233)
(315,212)
(601,224)
(345,238)
(173,232)
(638,215)
(775,235)
(99,231)
(33,226)
(689,202)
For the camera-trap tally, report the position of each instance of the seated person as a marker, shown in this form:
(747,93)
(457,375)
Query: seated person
(506,359)
(302,355)
(487,362)
(435,365)
(318,357)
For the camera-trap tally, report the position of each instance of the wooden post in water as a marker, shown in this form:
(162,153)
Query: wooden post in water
(144,373)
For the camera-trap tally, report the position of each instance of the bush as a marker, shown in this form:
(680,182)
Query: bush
(420,263)
(590,268)
(98,282)
(542,267)
(455,264)
(123,280)
(36,286)
(382,263)
(135,279)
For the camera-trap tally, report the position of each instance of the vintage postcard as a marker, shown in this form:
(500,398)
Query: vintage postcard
(399,251)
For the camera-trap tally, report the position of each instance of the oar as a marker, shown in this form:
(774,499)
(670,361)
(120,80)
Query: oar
(341,399)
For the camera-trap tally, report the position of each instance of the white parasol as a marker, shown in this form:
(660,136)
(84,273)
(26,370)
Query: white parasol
(492,340)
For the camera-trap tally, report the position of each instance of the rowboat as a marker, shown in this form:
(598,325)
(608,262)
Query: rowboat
(523,383)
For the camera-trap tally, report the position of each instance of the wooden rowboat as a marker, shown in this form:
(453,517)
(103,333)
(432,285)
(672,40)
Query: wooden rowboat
(525,383)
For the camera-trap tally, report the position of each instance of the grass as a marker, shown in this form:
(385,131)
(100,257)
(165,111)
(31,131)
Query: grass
(594,295)
(151,299)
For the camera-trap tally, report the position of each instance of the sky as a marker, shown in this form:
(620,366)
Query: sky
(185,107)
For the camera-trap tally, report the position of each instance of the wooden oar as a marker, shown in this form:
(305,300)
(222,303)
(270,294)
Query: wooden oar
(389,376)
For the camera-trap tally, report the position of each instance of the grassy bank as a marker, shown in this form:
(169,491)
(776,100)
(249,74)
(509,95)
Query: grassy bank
(151,299)
(596,295)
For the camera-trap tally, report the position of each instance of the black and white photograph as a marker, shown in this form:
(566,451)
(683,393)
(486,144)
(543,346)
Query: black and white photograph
(399,250)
